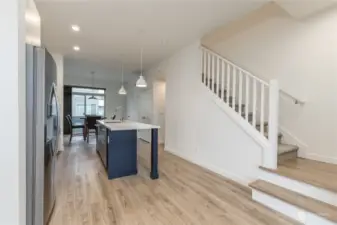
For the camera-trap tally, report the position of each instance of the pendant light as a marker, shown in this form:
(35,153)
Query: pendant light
(93,85)
(141,81)
(122,90)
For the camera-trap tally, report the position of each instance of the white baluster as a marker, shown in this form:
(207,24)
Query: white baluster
(228,72)
(270,158)
(209,70)
(217,76)
(234,87)
(222,79)
(262,110)
(240,92)
(202,66)
(205,66)
(213,72)
(247,97)
(254,103)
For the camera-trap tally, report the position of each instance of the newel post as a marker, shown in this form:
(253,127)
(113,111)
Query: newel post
(270,156)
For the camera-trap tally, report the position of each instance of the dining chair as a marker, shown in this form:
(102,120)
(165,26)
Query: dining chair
(91,125)
(74,126)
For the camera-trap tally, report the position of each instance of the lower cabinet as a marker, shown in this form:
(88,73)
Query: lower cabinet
(122,153)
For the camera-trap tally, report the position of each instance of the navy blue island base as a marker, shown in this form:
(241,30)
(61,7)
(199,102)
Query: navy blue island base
(119,152)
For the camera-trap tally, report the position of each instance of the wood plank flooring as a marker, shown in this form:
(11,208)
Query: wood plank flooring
(184,194)
(323,175)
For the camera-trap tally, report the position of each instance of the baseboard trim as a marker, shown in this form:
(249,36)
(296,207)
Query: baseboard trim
(316,157)
(228,175)
(304,148)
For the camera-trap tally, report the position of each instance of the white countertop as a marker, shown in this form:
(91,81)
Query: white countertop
(114,125)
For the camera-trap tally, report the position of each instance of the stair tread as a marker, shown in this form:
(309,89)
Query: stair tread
(266,134)
(318,174)
(322,209)
(285,148)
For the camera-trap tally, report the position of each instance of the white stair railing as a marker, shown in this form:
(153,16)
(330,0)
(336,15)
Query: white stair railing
(254,99)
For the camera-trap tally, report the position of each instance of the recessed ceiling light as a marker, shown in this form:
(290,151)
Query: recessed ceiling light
(76,48)
(75,28)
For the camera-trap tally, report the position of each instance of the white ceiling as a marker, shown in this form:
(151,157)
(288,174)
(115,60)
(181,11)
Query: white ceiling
(303,8)
(84,68)
(114,30)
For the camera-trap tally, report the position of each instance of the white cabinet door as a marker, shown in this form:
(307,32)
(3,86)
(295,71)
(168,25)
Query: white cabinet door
(145,113)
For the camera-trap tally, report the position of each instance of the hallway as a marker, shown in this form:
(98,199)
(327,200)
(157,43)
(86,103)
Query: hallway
(184,194)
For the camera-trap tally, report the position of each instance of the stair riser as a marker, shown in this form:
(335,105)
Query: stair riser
(289,210)
(309,190)
(279,136)
(286,156)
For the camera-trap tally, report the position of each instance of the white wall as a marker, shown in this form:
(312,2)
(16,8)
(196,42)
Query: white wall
(13,134)
(132,102)
(156,81)
(159,97)
(156,107)
(301,54)
(197,129)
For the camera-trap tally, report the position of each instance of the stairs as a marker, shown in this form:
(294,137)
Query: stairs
(285,151)
(301,189)
(311,206)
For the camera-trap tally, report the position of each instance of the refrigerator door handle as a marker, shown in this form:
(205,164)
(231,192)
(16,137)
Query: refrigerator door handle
(53,96)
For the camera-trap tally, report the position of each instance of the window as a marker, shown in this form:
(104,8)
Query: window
(87,101)
(95,106)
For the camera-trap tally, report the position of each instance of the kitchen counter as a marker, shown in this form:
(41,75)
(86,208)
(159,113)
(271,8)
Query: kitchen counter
(117,147)
(126,125)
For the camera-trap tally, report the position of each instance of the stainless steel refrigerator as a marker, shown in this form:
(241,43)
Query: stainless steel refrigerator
(42,134)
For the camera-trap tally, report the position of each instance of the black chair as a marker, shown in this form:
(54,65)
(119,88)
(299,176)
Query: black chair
(91,125)
(74,126)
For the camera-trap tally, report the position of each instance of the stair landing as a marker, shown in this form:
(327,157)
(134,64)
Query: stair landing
(319,174)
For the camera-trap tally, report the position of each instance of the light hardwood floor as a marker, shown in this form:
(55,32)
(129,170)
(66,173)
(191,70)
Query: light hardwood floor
(184,194)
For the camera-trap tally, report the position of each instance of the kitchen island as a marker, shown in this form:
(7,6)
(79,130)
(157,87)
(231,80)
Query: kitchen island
(117,147)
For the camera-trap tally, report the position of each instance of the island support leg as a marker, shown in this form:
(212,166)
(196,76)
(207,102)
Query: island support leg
(154,154)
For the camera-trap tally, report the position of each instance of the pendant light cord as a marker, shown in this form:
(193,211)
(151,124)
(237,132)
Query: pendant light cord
(141,61)
(122,74)
(92,79)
